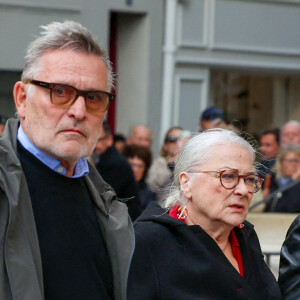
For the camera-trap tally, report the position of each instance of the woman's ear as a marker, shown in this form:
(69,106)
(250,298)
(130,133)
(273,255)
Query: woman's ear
(185,181)
(20,98)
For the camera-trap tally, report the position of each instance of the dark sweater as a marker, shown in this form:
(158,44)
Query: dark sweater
(116,171)
(175,261)
(74,257)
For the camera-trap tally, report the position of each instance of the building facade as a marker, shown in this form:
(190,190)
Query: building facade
(173,58)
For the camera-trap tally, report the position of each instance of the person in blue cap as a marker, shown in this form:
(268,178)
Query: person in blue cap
(212,117)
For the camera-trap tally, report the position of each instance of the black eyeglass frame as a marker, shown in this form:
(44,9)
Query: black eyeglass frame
(50,86)
(219,175)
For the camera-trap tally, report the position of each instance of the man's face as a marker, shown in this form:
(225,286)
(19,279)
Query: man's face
(64,133)
(268,146)
(141,136)
(290,135)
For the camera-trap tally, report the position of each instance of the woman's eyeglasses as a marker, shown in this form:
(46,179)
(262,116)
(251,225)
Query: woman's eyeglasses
(230,179)
(64,95)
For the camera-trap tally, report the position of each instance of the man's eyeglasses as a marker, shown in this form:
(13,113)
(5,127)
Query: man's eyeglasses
(64,95)
(230,179)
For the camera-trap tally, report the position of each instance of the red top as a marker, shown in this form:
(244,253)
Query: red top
(235,247)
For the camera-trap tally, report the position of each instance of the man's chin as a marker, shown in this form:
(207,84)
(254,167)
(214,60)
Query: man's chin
(71,153)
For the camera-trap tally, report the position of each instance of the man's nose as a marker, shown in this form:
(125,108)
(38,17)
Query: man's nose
(78,108)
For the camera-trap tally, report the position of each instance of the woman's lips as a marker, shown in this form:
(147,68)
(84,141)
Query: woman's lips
(237,207)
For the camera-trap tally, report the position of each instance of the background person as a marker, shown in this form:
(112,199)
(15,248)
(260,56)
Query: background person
(290,133)
(119,142)
(63,234)
(287,171)
(269,148)
(116,171)
(140,135)
(162,167)
(140,158)
(199,245)
(212,117)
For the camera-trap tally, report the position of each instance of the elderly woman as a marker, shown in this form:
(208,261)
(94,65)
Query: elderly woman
(199,245)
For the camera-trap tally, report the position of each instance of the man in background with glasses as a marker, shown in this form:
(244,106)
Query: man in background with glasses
(63,233)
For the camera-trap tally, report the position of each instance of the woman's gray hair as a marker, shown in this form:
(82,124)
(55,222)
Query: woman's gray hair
(197,151)
(59,36)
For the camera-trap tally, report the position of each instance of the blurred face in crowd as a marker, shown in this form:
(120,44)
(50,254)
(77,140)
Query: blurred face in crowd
(141,136)
(268,146)
(290,164)
(104,142)
(138,167)
(2,128)
(64,133)
(211,123)
(209,203)
(120,145)
(172,145)
(290,134)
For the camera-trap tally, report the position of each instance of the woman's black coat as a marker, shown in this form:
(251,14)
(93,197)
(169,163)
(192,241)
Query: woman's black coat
(175,261)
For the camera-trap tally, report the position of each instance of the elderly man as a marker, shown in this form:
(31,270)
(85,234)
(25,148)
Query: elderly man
(290,133)
(140,135)
(63,233)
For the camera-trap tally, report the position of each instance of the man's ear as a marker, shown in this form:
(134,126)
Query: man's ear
(184,180)
(19,93)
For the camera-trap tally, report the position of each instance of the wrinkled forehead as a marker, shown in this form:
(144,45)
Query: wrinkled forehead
(291,155)
(229,154)
(291,129)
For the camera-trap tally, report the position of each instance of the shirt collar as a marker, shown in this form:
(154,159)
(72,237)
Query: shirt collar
(81,167)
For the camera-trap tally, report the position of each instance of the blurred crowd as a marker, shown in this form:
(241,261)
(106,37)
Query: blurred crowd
(128,165)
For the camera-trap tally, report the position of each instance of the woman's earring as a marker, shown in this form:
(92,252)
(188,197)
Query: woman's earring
(182,212)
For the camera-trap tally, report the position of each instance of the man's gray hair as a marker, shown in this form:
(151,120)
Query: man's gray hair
(197,151)
(59,36)
(292,122)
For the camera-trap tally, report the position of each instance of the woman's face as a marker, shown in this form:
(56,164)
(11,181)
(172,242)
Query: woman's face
(138,168)
(290,164)
(210,204)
